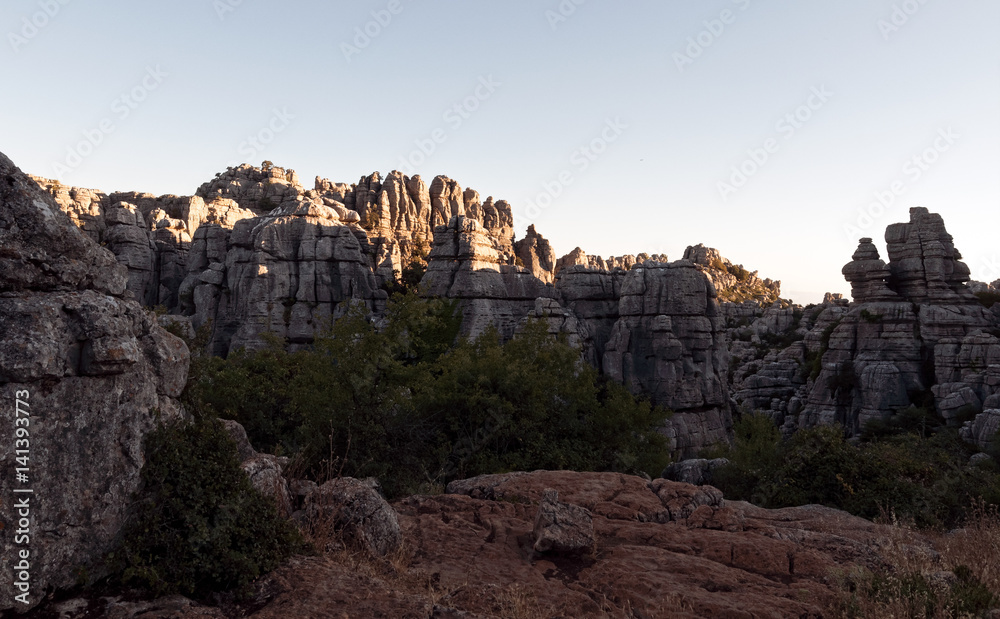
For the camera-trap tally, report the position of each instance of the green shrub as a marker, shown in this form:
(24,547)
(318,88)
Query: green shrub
(407,402)
(924,478)
(199,526)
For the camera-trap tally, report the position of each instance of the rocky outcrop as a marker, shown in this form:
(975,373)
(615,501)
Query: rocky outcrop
(536,254)
(561,528)
(259,190)
(925,266)
(579,258)
(355,510)
(733,283)
(914,331)
(286,273)
(474,556)
(984,430)
(464,264)
(265,471)
(669,345)
(868,275)
(89,371)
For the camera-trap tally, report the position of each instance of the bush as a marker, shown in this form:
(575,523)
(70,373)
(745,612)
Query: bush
(923,478)
(531,404)
(199,526)
(406,402)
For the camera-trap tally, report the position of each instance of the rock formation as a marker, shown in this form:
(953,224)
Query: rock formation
(285,273)
(561,528)
(254,252)
(668,344)
(536,254)
(733,283)
(355,510)
(93,372)
(914,331)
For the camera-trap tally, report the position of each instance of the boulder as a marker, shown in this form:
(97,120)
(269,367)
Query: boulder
(354,509)
(91,372)
(561,528)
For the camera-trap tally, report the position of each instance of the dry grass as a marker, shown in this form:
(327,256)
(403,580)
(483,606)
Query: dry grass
(927,575)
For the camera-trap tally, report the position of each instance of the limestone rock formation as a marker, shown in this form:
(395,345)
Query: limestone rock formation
(925,266)
(669,344)
(259,190)
(914,330)
(536,255)
(285,273)
(92,370)
(868,275)
(983,430)
(464,264)
(733,283)
(264,470)
(579,258)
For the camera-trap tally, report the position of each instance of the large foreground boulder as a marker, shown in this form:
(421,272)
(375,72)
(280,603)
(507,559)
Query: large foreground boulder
(84,375)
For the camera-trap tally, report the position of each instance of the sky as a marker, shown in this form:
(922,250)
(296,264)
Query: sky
(778,132)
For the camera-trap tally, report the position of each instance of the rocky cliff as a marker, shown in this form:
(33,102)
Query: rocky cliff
(84,375)
(255,252)
(914,334)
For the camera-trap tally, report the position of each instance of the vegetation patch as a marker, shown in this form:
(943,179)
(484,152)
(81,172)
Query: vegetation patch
(199,526)
(917,469)
(410,403)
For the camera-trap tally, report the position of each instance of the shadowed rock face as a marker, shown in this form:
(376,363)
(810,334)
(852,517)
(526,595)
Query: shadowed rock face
(926,268)
(668,344)
(915,329)
(92,369)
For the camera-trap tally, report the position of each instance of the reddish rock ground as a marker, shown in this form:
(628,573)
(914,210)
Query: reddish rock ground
(664,549)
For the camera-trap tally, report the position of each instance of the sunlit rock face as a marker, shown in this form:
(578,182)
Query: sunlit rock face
(287,273)
(93,371)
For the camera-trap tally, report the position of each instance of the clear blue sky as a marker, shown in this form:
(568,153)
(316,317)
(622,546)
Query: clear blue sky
(674,94)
